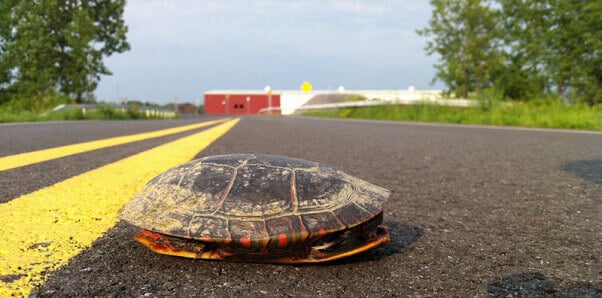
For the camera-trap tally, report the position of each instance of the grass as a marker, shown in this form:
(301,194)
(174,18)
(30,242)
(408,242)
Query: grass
(103,112)
(550,115)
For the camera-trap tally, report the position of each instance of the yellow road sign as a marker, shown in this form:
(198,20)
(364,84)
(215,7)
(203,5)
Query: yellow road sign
(306,86)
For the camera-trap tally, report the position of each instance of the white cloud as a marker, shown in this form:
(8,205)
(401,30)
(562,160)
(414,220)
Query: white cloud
(357,7)
(185,37)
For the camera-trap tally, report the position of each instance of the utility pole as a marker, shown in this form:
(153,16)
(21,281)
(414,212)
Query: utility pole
(268,90)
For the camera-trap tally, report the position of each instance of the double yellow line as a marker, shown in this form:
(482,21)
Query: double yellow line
(41,231)
(24,159)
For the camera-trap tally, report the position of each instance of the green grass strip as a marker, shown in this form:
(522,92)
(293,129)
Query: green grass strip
(502,113)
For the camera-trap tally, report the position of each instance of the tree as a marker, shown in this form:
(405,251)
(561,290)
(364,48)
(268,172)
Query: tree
(554,48)
(95,29)
(50,46)
(28,55)
(525,49)
(575,43)
(525,24)
(465,37)
(6,7)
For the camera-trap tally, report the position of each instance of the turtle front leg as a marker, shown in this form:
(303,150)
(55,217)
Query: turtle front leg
(190,249)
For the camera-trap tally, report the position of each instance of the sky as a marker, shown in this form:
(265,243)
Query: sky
(186,47)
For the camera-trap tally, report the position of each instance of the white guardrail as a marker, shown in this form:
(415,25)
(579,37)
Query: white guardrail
(368,103)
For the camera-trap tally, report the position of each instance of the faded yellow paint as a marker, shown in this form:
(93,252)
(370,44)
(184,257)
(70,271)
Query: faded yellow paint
(41,231)
(20,160)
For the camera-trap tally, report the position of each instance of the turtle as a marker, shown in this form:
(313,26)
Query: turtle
(258,208)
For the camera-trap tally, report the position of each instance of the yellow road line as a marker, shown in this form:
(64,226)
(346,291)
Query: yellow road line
(20,160)
(41,231)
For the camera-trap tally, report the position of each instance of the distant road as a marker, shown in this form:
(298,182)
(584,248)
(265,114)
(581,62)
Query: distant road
(29,136)
(474,209)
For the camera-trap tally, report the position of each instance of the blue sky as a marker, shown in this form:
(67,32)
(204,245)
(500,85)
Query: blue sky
(186,47)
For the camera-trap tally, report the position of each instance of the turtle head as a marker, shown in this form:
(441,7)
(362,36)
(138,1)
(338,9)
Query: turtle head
(349,242)
(340,244)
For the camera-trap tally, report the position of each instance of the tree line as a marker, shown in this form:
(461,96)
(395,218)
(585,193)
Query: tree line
(519,49)
(53,49)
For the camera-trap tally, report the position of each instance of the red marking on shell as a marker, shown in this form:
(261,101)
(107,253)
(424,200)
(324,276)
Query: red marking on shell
(151,234)
(245,241)
(322,232)
(157,238)
(282,240)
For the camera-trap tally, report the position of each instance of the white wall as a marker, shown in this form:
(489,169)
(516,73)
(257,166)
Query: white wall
(291,100)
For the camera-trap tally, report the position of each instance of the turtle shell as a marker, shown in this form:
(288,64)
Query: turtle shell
(256,202)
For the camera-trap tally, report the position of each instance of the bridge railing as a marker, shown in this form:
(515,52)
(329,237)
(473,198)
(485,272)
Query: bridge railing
(368,103)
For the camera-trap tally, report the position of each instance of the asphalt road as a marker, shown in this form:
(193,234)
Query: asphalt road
(474,211)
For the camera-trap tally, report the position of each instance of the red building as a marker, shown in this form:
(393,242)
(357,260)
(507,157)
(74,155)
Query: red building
(241,102)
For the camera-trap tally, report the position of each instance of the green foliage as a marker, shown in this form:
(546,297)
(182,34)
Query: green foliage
(40,103)
(525,49)
(345,112)
(133,111)
(488,98)
(545,113)
(465,37)
(525,24)
(357,97)
(51,46)
(104,111)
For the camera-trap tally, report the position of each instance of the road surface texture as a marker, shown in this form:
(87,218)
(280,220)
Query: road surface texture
(475,211)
